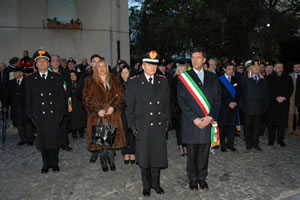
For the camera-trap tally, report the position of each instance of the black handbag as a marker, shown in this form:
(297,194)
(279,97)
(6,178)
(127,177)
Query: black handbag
(103,133)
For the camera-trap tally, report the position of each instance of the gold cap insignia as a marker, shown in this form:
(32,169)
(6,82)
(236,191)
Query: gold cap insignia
(152,54)
(41,52)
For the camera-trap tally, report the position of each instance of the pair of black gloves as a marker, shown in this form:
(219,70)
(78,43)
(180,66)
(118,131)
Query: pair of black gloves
(136,133)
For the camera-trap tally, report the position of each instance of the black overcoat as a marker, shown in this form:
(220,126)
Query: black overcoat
(191,134)
(277,113)
(15,96)
(148,109)
(227,115)
(46,106)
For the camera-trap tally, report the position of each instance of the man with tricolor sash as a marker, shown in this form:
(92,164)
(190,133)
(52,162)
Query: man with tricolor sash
(229,115)
(199,97)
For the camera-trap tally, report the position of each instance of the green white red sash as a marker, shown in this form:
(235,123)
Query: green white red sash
(202,101)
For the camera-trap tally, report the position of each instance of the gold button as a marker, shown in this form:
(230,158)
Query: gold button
(51,102)
(43,112)
(159,123)
(151,113)
(151,124)
(150,103)
(42,94)
(159,113)
(43,103)
(157,102)
(51,111)
(49,93)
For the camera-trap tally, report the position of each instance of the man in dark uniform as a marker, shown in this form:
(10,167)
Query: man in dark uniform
(15,97)
(228,114)
(148,114)
(55,67)
(280,86)
(45,104)
(196,122)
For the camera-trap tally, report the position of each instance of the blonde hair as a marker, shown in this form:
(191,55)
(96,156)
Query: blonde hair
(96,76)
(178,68)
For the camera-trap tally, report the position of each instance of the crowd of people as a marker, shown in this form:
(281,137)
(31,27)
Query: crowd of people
(49,98)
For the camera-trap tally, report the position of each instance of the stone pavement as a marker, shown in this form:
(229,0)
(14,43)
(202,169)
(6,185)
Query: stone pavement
(243,175)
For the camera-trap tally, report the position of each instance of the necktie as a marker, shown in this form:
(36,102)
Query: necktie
(150,80)
(18,81)
(229,78)
(200,77)
(44,76)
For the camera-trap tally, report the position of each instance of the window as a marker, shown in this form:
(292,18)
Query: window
(63,10)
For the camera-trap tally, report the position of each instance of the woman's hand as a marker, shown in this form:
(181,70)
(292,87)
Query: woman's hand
(110,110)
(101,113)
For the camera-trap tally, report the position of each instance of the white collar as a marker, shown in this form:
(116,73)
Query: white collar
(20,79)
(41,74)
(147,77)
(196,71)
(227,75)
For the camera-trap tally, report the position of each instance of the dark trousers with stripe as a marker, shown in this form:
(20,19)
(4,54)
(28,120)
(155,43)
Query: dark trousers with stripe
(50,158)
(227,132)
(150,177)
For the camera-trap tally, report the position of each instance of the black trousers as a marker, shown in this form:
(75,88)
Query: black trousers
(50,158)
(227,132)
(150,177)
(64,131)
(26,132)
(107,157)
(197,161)
(251,131)
(276,130)
(130,139)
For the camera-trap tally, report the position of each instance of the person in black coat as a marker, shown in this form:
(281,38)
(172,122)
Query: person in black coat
(297,96)
(196,123)
(55,67)
(253,102)
(280,90)
(16,98)
(229,104)
(148,116)
(45,104)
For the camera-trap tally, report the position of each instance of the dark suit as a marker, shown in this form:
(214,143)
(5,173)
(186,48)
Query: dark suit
(148,109)
(228,117)
(46,107)
(198,140)
(16,98)
(253,102)
(297,96)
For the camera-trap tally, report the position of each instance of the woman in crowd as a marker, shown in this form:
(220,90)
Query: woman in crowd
(103,97)
(78,115)
(128,151)
(177,112)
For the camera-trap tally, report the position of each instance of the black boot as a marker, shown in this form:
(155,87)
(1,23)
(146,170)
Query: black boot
(111,159)
(81,132)
(94,156)
(103,159)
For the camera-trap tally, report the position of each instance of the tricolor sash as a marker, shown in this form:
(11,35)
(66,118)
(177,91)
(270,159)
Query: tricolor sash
(202,101)
(232,91)
(65,89)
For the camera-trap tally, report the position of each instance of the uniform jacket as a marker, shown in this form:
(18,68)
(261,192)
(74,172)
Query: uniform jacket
(191,134)
(45,105)
(277,113)
(148,109)
(254,95)
(227,115)
(16,98)
(95,98)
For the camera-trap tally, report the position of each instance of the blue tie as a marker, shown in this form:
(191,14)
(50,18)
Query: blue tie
(200,77)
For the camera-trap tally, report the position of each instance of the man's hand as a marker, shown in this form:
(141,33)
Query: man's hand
(232,105)
(280,99)
(110,110)
(167,127)
(202,122)
(101,113)
(135,132)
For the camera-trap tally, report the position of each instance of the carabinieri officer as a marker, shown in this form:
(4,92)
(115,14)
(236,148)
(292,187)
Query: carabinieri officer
(45,104)
(148,114)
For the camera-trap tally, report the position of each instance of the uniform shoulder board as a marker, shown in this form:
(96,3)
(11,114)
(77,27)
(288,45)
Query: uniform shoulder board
(161,76)
(56,72)
(30,73)
(134,77)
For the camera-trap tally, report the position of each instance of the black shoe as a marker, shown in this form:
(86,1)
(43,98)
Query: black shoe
(126,162)
(159,190)
(232,148)
(94,157)
(30,143)
(67,148)
(21,143)
(146,192)
(105,169)
(132,162)
(271,143)
(282,144)
(113,168)
(55,169)
(257,148)
(193,185)
(223,150)
(203,185)
(44,170)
